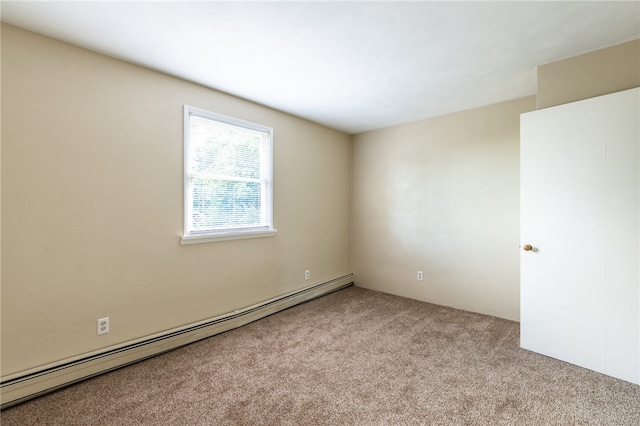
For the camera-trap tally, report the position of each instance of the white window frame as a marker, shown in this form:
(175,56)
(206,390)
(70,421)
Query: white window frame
(191,236)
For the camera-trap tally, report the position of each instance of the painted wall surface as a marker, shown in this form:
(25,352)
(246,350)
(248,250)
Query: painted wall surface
(92,205)
(593,74)
(442,196)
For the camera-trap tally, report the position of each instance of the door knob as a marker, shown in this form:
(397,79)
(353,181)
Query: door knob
(527,247)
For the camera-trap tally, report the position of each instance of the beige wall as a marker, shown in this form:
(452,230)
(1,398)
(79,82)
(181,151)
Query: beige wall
(92,205)
(597,73)
(442,196)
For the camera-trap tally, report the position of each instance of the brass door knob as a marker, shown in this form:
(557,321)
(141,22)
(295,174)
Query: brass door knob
(527,247)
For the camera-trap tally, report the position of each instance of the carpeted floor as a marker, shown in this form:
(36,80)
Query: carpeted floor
(354,357)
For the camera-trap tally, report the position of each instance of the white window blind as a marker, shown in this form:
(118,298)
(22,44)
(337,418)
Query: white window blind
(227,176)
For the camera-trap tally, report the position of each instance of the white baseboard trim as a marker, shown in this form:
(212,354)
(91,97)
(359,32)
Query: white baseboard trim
(30,384)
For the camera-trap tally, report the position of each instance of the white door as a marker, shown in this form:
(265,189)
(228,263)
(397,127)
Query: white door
(580,192)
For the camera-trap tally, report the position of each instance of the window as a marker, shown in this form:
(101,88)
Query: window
(228,172)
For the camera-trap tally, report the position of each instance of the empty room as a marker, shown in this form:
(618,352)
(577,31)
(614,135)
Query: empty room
(320,213)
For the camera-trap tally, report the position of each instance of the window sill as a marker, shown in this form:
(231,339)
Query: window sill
(226,236)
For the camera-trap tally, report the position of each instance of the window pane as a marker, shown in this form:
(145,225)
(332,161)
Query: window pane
(228,172)
(225,204)
(224,150)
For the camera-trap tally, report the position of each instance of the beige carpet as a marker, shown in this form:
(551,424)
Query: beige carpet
(354,357)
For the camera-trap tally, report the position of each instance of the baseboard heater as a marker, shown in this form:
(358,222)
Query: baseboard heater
(30,384)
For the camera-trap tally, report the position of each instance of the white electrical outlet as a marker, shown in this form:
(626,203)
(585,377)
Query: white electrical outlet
(419,276)
(103,325)
(307,274)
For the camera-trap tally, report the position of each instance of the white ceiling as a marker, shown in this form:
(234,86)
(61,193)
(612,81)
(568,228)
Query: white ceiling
(353,66)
